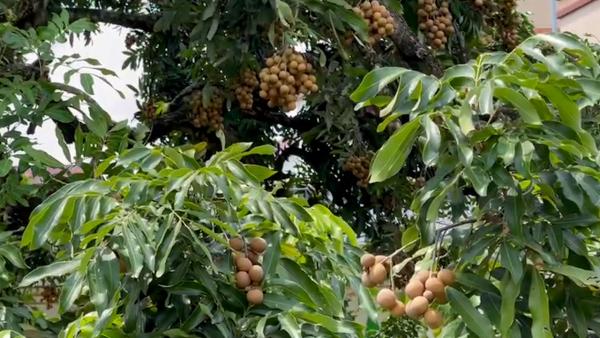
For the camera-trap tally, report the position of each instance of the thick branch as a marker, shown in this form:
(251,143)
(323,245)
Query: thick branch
(143,22)
(416,54)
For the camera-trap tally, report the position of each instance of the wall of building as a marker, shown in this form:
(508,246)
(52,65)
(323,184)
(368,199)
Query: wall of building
(583,21)
(540,13)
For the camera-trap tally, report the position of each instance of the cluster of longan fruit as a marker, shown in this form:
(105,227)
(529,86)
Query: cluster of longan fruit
(359,167)
(375,269)
(425,288)
(509,23)
(378,18)
(435,23)
(285,77)
(245,87)
(249,272)
(210,116)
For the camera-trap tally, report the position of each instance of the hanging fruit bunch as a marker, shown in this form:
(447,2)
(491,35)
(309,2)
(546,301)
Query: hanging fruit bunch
(244,89)
(209,116)
(359,167)
(425,290)
(379,20)
(509,22)
(435,23)
(249,272)
(285,78)
(149,111)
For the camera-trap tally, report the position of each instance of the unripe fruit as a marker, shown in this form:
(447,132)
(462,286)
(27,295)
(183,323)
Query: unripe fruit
(256,273)
(433,319)
(447,276)
(417,307)
(242,279)
(386,299)
(242,263)
(434,285)
(236,243)
(367,260)
(422,276)
(399,310)
(377,274)
(414,289)
(255,296)
(258,245)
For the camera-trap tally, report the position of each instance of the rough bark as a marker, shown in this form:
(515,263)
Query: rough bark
(414,52)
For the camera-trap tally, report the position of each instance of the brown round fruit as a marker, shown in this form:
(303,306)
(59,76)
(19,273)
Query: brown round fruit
(421,276)
(236,243)
(243,263)
(434,285)
(258,245)
(414,289)
(417,307)
(255,296)
(242,279)
(377,274)
(382,258)
(256,273)
(386,299)
(433,319)
(367,260)
(429,295)
(366,280)
(447,276)
(399,310)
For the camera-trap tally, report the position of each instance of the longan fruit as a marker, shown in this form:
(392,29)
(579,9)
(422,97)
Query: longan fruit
(439,34)
(291,106)
(302,67)
(417,307)
(433,319)
(446,276)
(386,298)
(236,243)
(242,279)
(378,273)
(256,273)
(255,296)
(366,280)
(414,289)
(399,310)
(422,276)
(367,260)
(434,285)
(254,257)
(270,62)
(380,258)
(314,88)
(263,94)
(243,263)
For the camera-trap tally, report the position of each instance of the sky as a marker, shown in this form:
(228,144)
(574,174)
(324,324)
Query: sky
(107,47)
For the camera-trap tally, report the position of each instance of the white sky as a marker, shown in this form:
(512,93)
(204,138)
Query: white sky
(107,47)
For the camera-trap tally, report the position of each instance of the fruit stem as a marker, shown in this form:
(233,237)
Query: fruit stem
(395,253)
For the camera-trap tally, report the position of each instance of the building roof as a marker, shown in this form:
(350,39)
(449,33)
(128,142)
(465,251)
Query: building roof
(567,7)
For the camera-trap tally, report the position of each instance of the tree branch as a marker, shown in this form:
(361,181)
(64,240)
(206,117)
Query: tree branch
(143,22)
(416,54)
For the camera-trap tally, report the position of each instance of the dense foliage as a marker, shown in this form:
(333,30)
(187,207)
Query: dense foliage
(488,167)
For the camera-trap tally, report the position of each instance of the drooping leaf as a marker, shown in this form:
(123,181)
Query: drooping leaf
(475,321)
(539,307)
(55,269)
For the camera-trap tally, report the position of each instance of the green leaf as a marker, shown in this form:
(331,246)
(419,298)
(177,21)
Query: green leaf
(410,235)
(43,220)
(55,269)
(330,324)
(581,277)
(509,288)
(475,321)
(567,108)
(296,273)
(433,139)
(134,252)
(5,166)
(13,254)
(285,13)
(524,107)
(539,308)
(42,157)
(375,81)
(392,155)
(103,279)
(509,257)
(70,291)
(289,325)
(165,249)
(272,254)
(87,83)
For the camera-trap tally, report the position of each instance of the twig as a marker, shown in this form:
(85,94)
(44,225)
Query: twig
(395,253)
(452,226)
